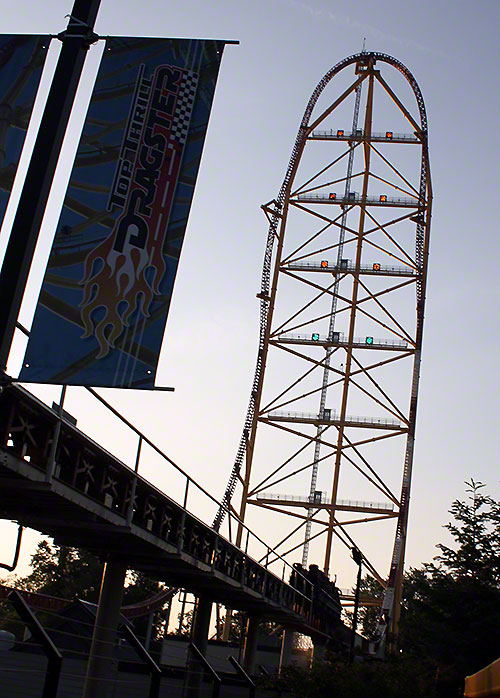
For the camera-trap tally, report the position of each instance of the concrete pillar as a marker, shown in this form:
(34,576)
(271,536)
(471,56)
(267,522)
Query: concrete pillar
(202,623)
(199,637)
(318,653)
(286,648)
(250,649)
(97,681)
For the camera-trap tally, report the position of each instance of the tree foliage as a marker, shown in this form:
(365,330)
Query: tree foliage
(450,619)
(71,573)
(369,588)
(476,532)
(400,677)
(451,606)
(59,570)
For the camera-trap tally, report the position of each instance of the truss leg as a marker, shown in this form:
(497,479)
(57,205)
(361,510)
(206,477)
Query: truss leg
(106,624)
(392,644)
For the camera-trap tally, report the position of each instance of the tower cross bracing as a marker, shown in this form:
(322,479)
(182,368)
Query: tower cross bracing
(332,411)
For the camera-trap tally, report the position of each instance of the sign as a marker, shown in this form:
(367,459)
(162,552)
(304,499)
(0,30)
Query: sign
(105,297)
(22,58)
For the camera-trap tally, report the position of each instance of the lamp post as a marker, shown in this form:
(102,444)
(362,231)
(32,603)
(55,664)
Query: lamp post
(357,556)
(31,208)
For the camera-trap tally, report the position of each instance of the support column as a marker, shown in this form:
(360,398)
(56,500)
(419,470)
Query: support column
(250,649)
(97,682)
(201,625)
(319,647)
(286,648)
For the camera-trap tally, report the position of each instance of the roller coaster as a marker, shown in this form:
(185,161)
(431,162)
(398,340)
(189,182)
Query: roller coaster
(338,305)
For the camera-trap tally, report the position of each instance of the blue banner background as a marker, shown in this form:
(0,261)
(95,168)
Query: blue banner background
(73,340)
(21,62)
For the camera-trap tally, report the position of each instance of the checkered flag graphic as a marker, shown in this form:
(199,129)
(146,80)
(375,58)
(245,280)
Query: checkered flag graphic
(184,107)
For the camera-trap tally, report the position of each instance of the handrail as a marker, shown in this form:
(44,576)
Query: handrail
(340,339)
(189,479)
(308,499)
(330,416)
(244,675)
(348,265)
(355,198)
(342,134)
(143,654)
(208,667)
(54,657)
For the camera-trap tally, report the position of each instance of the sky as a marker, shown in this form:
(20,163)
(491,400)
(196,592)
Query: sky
(210,344)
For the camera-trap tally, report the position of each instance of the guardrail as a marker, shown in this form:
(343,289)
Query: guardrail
(330,416)
(316,499)
(52,444)
(316,338)
(347,265)
(341,134)
(355,198)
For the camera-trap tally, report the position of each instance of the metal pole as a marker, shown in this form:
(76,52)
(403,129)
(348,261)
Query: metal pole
(286,648)
(133,489)
(358,559)
(181,614)
(33,201)
(53,655)
(51,463)
(352,321)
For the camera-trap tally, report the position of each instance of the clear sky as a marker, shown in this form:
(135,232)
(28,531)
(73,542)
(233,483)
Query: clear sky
(211,340)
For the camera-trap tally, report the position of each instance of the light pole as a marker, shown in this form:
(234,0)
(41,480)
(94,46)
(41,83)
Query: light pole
(76,40)
(357,556)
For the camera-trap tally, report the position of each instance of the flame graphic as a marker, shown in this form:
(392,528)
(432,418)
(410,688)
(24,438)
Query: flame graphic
(119,286)
(123,274)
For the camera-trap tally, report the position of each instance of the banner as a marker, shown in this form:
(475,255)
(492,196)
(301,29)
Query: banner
(22,58)
(104,301)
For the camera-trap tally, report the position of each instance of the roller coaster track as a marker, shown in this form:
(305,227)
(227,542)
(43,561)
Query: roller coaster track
(274,211)
(55,479)
(46,602)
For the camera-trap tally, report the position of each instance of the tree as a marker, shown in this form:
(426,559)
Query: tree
(59,570)
(71,573)
(186,623)
(451,607)
(369,588)
(476,530)
(399,677)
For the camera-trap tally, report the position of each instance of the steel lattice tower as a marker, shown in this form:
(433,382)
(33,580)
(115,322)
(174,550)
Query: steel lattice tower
(344,270)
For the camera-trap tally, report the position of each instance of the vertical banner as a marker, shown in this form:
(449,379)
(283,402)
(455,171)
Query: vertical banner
(22,58)
(104,301)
